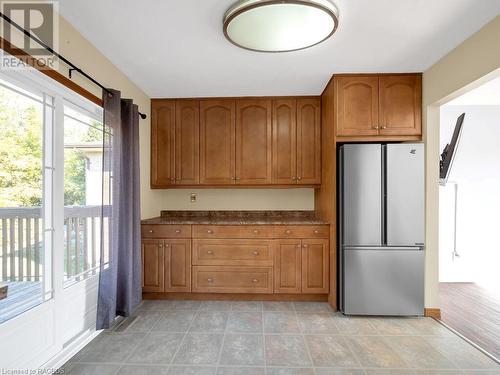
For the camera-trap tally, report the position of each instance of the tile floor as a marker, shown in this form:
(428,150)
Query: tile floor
(273,338)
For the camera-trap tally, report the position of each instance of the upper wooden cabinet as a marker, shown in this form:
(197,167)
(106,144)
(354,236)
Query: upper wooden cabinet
(217,142)
(296,141)
(378,105)
(174,142)
(308,141)
(400,105)
(284,167)
(187,140)
(162,143)
(253,142)
(221,142)
(357,105)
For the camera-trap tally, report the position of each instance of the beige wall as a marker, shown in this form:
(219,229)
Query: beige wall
(473,62)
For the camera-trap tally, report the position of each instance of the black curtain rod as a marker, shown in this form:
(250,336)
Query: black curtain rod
(62,58)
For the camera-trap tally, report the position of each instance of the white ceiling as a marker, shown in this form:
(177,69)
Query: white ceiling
(176,48)
(486,94)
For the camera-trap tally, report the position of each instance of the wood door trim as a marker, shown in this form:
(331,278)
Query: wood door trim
(326,264)
(432,313)
(297,243)
(316,104)
(292,103)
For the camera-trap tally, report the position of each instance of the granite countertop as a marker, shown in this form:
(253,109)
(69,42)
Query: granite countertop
(237,218)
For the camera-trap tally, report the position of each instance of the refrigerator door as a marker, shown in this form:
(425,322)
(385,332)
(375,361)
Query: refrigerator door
(405,199)
(384,281)
(361,194)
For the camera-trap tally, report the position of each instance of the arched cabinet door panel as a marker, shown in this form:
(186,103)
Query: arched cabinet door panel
(357,105)
(400,104)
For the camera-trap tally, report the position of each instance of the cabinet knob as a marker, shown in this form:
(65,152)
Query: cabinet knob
(299,246)
(299,178)
(294,178)
(150,231)
(375,127)
(255,253)
(255,281)
(255,231)
(177,231)
(288,231)
(305,245)
(210,280)
(167,245)
(233,178)
(210,252)
(316,231)
(384,127)
(160,245)
(210,231)
(172,179)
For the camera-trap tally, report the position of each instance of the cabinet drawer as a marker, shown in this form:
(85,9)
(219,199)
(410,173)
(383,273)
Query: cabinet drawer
(232,252)
(165,231)
(302,231)
(232,231)
(224,279)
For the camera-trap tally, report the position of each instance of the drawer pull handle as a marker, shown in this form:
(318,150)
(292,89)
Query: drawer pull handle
(210,280)
(255,231)
(177,231)
(150,231)
(316,231)
(288,231)
(255,253)
(210,231)
(210,252)
(255,281)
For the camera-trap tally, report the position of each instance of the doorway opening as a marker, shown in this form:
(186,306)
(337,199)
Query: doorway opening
(469,208)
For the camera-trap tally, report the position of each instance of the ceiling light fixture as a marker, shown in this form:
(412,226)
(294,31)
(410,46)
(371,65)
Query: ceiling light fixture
(280,25)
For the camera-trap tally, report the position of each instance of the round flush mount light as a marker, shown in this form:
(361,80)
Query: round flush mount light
(280,25)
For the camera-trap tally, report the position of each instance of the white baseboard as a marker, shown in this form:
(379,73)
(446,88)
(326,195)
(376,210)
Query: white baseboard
(69,351)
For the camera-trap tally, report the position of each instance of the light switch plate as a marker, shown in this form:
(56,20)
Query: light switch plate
(193,197)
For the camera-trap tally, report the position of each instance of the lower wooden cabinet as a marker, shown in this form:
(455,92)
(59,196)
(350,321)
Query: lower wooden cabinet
(166,265)
(315,266)
(281,259)
(153,266)
(225,279)
(301,266)
(287,266)
(177,265)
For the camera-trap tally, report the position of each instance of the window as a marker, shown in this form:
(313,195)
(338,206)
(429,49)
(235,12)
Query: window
(53,151)
(26,174)
(83,192)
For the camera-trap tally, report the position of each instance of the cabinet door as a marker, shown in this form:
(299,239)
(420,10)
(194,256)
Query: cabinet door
(357,105)
(308,141)
(315,266)
(284,168)
(162,143)
(253,142)
(152,265)
(401,104)
(187,141)
(217,141)
(178,266)
(287,266)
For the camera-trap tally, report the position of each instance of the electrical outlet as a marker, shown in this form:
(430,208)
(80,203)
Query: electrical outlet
(193,197)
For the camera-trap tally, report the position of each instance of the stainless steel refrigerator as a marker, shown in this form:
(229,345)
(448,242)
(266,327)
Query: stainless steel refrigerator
(381,229)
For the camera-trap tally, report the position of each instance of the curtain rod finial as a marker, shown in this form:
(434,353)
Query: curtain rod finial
(143,116)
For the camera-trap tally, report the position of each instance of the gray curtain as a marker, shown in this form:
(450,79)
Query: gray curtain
(120,266)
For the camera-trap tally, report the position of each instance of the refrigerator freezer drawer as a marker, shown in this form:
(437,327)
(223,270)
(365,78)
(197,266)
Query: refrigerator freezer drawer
(384,281)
